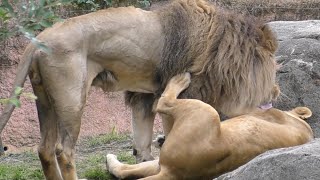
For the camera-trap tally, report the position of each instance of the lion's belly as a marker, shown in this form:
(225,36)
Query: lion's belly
(127,74)
(131,58)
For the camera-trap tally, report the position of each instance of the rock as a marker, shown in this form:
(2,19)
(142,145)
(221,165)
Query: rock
(295,163)
(299,73)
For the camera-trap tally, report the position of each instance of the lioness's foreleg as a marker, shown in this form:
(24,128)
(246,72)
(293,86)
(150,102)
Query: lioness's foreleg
(124,171)
(142,124)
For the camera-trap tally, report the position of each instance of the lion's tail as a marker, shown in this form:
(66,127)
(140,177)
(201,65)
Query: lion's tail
(302,112)
(23,70)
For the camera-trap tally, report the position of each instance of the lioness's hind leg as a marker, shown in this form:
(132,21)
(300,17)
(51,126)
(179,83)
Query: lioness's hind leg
(176,85)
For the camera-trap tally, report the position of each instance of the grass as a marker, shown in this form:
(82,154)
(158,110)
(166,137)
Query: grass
(97,173)
(126,157)
(96,170)
(94,165)
(90,159)
(107,138)
(20,172)
(28,167)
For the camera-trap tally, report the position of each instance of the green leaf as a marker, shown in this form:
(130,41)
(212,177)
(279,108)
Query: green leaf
(30,96)
(35,27)
(4,101)
(39,12)
(31,9)
(18,91)
(7,5)
(45,23)
(42,3)
(15,102)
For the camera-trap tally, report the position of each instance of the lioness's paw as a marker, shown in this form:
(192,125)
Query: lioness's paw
(158,142)
(181,80)
(112,162)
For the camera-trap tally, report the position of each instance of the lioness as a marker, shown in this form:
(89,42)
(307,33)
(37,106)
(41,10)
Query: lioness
(129,49)
(199,146)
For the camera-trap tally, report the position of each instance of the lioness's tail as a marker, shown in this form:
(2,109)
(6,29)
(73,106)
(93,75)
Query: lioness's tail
(23,70)
(302,112)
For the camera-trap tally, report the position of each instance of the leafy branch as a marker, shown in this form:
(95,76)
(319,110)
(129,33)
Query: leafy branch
(18,92)
(26,18)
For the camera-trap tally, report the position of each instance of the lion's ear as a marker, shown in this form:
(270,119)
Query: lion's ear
(302,112)
(269,40)
(275,92)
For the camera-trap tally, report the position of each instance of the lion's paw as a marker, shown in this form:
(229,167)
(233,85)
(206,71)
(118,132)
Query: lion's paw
(158,142)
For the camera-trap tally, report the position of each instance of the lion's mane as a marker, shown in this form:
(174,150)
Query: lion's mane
(230,56)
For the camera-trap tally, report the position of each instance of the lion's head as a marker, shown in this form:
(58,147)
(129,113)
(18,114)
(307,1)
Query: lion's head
(231,57)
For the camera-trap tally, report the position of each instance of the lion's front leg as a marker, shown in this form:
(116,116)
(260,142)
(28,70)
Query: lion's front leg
(142,124)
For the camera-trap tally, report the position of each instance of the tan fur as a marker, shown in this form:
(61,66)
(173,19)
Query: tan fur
(209,148)
(128,49)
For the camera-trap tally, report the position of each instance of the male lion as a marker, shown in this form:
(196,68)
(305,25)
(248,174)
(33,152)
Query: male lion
(199,146)
(129,49)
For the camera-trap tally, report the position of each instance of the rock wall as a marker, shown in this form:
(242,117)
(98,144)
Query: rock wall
(295,163)
(299,73)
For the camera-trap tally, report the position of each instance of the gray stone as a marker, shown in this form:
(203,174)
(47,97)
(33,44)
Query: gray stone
(299,72)
(295,163)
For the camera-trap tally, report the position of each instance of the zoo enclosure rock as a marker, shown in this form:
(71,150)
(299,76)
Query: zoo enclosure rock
(295,163)
(299,73)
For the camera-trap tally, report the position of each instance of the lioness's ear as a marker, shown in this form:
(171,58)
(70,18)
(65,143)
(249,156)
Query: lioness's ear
(302,112)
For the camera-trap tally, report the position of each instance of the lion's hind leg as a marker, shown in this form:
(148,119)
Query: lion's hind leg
(123,171)
(62,98)
(49,135)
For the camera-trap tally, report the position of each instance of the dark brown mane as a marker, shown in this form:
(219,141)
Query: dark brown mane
(230,56)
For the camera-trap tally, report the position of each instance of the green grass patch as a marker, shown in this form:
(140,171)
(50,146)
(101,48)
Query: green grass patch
(126,157)
(90,162)
(20,172)
(107,138)
(97,173)
(94,167)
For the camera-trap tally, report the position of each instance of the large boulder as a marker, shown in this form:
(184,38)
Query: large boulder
(299,73)
(299,79)
(295,163)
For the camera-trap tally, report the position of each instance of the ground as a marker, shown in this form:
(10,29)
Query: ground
(90,158)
